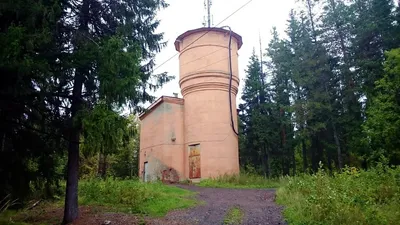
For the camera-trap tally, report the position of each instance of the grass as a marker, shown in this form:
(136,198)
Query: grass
(234,216)
(110,195)
(350,197)
(244,180)
(153,199)
(6,218)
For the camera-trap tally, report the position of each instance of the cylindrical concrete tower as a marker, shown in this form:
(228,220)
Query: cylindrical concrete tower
(211,145)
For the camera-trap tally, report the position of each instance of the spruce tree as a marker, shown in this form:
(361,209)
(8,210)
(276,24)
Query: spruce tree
(108,59)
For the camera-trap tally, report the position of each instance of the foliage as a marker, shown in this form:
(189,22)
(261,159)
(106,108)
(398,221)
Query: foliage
(382,127)
(234,216)
(351,197)
(133,196)
(65,66)
(125,162)
(326,92)
(31,142)
(116,152)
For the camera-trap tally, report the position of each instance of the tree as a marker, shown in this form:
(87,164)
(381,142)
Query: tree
(382,127)
(30,134)
(251,97)
(126,160)
(281,87)
(337,27)
(107,58)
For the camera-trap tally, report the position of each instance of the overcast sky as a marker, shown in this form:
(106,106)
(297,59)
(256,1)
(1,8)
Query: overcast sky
(256,18)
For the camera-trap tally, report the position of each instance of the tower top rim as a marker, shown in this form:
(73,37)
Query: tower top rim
(207,29)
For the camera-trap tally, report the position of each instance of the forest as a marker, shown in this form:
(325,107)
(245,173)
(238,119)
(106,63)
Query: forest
(319,115)
(326,91)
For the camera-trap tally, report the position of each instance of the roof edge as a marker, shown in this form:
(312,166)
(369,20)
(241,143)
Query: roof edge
(159,101)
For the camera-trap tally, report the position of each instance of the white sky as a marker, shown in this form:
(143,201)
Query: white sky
(257,18)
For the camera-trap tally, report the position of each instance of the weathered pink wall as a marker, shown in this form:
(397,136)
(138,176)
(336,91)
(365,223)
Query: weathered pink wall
(158,129)
(204,82)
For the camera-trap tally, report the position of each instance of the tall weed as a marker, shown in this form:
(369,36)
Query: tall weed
(351,197)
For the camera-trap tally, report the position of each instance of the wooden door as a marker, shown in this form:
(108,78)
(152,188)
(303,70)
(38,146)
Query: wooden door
(194,162)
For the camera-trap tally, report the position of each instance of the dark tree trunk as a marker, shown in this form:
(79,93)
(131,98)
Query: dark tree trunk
(339,151)
(320,148)
(294,161)
(104,164)
(71,196)
(314,148)
(305,164)
(268,165)
(71,210)
(329,156)
(264,163)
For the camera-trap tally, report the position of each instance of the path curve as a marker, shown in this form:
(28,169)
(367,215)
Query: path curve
(258,206)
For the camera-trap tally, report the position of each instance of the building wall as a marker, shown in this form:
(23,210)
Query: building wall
(204,82)
(161,140)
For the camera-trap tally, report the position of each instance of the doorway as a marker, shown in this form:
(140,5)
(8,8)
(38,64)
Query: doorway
(194,161)
(146,171)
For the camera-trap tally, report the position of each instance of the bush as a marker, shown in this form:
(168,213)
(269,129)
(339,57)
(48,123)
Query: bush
(351,197)
(133,196)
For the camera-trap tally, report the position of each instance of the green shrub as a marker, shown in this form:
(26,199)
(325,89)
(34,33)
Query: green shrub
(350,197)
(242,180)
(133,196)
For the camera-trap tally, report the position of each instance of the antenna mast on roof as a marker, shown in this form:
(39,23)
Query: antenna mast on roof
(207,6)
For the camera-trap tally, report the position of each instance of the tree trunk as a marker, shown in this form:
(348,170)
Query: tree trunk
(339,151)
(71,209)
(304,150)
(104,164)
(329,161)
(71,195)
(268,165)
(99,164)
(314,148)
(294,161)
(264,164)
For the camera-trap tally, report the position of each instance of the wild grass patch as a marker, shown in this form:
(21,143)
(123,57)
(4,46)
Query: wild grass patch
(234,216)
(351,197)
(242,180)
(153,199)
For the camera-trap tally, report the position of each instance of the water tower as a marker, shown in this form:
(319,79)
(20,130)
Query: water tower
(209,81)
(196,137)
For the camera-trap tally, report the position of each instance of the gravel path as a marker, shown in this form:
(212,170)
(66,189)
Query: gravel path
(258,206)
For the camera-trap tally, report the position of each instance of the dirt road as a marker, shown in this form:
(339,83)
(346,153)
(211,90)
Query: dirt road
(258,207)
